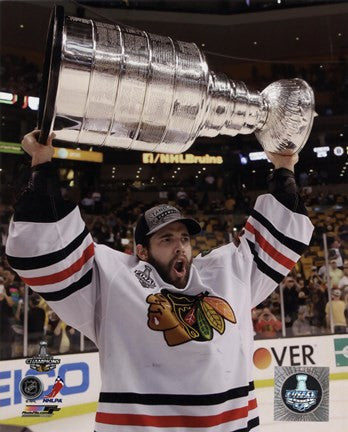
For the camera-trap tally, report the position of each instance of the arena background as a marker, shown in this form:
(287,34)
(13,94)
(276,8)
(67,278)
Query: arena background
(257,42)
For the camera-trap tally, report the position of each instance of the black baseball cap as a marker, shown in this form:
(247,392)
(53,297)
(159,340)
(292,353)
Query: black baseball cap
(158,217)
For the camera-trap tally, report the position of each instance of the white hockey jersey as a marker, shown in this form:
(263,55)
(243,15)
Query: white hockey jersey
(171,359)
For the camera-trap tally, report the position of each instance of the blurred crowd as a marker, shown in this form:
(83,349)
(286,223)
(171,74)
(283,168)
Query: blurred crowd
(329,82)
(19,76)
(43,323)
(300,305)
(306,307)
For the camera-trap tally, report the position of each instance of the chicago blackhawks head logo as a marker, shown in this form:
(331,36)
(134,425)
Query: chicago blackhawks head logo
(183,318)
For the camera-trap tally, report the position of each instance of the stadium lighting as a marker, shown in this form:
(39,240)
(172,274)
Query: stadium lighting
(243,159)
(321,151)
(255,156)
(8,98)
(32,102)
(338,151)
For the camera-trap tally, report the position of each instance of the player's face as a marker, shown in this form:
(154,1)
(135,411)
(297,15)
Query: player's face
(170,252)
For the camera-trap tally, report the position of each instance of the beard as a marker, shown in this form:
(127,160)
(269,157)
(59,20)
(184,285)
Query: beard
(164,270)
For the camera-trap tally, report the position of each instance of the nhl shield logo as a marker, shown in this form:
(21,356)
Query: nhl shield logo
(31,387)
(144,277)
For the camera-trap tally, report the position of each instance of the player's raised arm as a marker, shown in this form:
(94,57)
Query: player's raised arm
(49,245)
(278,230)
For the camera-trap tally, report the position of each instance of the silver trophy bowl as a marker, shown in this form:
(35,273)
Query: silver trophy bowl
(116,86)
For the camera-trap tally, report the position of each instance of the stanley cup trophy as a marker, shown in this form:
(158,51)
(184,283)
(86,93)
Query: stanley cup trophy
(116,86)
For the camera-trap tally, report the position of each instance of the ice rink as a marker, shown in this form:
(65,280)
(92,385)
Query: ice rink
(338,415)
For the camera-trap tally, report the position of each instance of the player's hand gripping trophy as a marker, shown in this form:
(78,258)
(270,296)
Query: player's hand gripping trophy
(116,86)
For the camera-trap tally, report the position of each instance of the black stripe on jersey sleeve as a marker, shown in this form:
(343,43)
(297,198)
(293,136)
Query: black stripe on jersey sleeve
(176,399)
(263,267)
(282,185)
(250,425)
(41,209)
(295,245)
(71,289)
(41,200)
(32,263)
(292,202)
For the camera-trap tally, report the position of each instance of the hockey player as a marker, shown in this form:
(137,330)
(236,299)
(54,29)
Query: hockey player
(174,334)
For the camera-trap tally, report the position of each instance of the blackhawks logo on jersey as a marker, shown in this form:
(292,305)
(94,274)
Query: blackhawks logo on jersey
(183,318)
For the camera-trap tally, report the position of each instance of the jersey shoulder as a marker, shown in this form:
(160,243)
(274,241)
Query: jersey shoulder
(106,255)
(215,255)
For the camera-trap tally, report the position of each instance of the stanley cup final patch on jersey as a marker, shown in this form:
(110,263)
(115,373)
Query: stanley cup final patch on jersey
(301,393)
(183,318)
(144,277)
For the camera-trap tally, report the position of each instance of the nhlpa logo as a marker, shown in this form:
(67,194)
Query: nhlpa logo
(145,278)
(51,397)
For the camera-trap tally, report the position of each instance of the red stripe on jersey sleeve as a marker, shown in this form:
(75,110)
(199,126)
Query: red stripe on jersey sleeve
(64,274)
(175,421)
(269,249)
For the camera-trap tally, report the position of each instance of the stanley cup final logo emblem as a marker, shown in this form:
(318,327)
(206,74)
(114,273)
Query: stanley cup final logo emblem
(301,398)
(301,393)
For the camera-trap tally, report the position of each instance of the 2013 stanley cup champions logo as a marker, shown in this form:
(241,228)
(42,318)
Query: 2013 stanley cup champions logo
(43,362)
